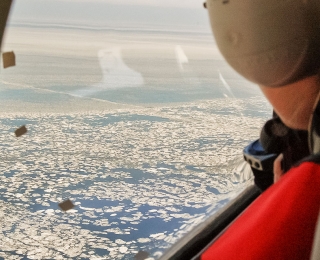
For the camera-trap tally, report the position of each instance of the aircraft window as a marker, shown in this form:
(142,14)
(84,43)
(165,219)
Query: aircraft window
(129,128)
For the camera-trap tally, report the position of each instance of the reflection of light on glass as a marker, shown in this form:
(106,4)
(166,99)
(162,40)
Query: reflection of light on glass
(181,57)
(226,85)
(115,74)
(228,88)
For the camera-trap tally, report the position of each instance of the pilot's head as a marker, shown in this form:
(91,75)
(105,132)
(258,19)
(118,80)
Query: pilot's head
(276,44)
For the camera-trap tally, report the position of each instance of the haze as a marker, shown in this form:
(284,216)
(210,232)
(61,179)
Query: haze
(173,15)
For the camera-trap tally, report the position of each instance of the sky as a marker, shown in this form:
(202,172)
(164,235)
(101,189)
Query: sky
(170,14)
(163,3)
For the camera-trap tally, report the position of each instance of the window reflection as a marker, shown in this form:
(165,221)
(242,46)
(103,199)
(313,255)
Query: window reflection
(131,114)
(115,74)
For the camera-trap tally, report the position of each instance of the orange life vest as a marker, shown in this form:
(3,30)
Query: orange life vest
(280,224)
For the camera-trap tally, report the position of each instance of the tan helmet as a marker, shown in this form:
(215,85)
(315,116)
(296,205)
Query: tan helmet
(269,42)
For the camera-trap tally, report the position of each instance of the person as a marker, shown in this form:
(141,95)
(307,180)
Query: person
(276,44)
(295,110)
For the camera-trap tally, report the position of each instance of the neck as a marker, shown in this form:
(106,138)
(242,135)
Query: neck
(294,103)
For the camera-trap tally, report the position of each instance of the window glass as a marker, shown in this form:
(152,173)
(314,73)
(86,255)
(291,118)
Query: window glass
(131,114)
